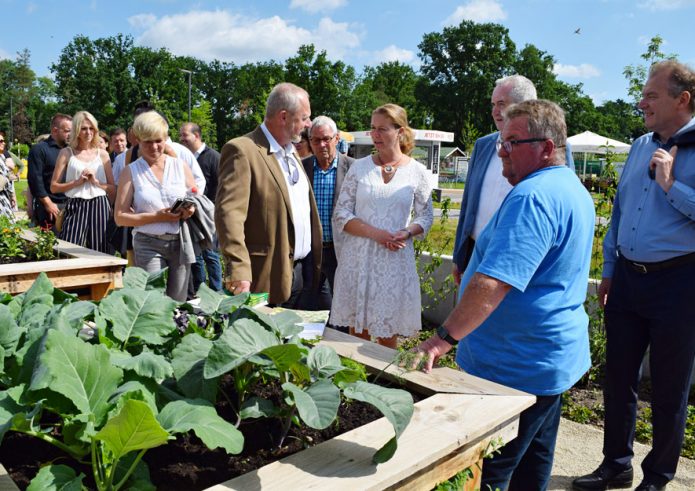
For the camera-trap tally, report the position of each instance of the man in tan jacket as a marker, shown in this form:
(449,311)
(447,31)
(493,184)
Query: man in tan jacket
(265,212)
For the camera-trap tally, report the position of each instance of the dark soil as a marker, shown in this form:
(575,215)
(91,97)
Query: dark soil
(186,463)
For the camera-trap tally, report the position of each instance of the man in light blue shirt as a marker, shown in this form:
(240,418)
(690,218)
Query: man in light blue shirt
(647,289)
(520,320)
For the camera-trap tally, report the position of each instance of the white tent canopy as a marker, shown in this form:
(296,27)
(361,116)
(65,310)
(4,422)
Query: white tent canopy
(592,143)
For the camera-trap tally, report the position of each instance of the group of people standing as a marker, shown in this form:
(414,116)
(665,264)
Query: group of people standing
(326,231)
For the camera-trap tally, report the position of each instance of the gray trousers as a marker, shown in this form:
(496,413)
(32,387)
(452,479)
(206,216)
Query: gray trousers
(154,253)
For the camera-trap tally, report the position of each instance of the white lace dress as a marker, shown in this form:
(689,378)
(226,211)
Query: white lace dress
(375,288)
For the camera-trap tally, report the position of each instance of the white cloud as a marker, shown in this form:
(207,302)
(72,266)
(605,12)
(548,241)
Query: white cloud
(232,37)
(32,7)
(314,6)
(394,53)
(584,70)
(477,11)
(656,5)
(4,55)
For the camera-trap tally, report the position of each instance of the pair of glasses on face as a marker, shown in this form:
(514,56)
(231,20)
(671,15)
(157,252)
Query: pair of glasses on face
(2,141)
(509,144)
(326,140)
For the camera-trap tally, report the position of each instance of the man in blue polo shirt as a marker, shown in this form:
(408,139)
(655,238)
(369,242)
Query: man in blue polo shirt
(520,320)
(326,170)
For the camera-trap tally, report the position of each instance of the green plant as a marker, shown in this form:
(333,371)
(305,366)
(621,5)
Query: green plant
(42,248)
(437,291)
(12,245)
(104,374)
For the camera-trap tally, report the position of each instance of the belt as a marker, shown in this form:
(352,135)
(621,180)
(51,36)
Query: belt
(328,244)
(167,237)
(645,268)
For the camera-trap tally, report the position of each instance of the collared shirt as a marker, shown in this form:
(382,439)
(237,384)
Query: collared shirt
(200,150)
(494,189)
(298,190)
(324,189)
(647,224)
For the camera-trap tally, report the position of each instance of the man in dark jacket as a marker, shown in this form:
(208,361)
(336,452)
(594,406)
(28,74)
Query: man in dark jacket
(42,161)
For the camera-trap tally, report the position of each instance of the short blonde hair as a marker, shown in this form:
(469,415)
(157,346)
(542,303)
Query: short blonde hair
(77,121)
(150,126)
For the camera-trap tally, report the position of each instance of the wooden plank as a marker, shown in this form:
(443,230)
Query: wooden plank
(441,379)
(64,279)
(442,424)
(6,482)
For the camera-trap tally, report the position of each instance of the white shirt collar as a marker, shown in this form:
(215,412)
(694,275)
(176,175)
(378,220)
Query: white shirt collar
(275,147)
(200,150)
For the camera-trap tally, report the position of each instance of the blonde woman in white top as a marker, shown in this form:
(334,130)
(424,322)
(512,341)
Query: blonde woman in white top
(83,173)
(147,189)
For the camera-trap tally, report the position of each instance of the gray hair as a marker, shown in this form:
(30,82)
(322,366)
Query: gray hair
(545,120)
(522,89)
(323,121)
(284,97)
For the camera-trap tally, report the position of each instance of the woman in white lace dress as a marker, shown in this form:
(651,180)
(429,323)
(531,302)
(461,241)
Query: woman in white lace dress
(384,202)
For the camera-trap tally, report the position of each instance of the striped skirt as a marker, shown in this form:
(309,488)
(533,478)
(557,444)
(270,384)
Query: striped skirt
(85,222)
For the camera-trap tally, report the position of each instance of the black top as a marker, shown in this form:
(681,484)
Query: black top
(209,160)
(42,160)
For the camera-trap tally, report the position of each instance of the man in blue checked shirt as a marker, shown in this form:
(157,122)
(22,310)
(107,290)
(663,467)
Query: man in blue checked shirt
(647,289)
(326,170)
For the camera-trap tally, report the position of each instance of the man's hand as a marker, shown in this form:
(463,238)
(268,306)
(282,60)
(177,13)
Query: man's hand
(238,286)
(456,274)
(428,352)
(51,209)
(662,165)
(603,289)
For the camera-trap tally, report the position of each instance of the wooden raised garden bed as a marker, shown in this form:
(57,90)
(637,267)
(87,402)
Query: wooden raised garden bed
(450,431)
(78,269)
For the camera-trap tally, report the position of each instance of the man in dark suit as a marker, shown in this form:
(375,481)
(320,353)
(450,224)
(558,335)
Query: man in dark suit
(209,160)
(42,161)
(326,170)
(265,213)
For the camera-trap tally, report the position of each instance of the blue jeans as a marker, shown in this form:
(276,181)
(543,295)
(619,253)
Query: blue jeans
(209,259)
(527,461)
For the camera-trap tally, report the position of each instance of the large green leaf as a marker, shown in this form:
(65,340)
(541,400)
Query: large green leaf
(200,416)
(9,332)
(146,364)
(188,362)
(285,323)
(212,302)
(56,478)
(324,362)
(255,407)
(240,341)
(75,312)
(41,291)
(318,404)
(134,428)
(147,315)
(140,279)
(396,404)
(134,389)
(283,355)
(9,407)
(80,371)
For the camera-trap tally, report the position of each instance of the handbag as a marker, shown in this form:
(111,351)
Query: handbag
(58,226)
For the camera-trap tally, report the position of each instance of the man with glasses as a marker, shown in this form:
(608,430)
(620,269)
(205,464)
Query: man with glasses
(265,213)
(520,320)
(647,289)
(485,186)
(42,160)
(326,169)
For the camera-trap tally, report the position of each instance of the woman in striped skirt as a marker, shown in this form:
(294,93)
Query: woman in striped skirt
(83,173)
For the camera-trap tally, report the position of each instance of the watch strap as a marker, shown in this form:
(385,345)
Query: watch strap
(444,334)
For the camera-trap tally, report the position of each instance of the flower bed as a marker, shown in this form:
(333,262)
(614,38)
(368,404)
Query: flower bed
(89,272)
(166,379)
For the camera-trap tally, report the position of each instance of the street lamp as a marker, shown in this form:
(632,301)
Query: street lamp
(189,72)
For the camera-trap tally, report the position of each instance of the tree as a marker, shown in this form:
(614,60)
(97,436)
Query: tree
(459,68)
(636,75)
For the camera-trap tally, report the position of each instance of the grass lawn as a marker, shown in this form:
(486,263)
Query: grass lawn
(452,185)
(19,187)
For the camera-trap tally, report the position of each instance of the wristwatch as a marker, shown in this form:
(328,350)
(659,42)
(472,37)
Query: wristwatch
(444,334)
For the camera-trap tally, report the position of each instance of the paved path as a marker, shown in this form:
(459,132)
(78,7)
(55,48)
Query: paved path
(578,452)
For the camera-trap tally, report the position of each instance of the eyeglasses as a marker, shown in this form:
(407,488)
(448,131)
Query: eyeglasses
(319,141)
(2,141)
(509,144)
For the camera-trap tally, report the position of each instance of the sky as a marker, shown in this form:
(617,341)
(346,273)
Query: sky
(611,33)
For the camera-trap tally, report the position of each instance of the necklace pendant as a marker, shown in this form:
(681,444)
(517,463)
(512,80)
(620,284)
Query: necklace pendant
(388,169)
